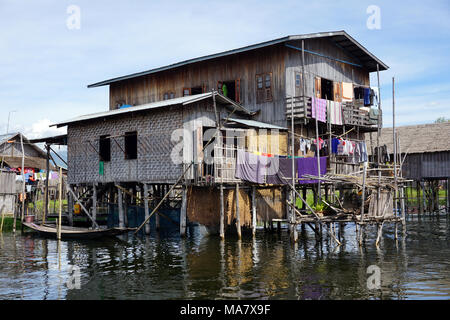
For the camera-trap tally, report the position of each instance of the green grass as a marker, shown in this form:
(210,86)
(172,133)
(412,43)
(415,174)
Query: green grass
(411,193)
(8,224)
(39,205)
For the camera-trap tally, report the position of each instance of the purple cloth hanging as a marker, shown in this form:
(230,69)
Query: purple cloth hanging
(282,168)
(309,166)
(250,167)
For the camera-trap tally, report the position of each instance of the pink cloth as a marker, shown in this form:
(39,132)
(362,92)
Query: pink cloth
(319,109)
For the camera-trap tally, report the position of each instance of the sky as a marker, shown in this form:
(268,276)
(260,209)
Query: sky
(48,56)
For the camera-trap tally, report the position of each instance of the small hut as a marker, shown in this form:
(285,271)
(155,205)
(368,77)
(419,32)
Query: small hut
(424,155)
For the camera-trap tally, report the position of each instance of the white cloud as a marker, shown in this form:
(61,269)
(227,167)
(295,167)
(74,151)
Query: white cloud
(41,129)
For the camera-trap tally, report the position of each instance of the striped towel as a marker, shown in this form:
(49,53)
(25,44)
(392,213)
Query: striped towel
(334,110)
(319,109)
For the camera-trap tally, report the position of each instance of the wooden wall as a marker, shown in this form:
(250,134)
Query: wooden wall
(317,66)
(282,62)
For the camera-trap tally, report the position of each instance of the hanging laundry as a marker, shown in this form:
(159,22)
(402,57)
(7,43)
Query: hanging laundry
(250,167)
(307,166)
(319,109)
(347,91)
(363,152)
(334,145)
(280,169)
(302,146)
(334,111)
(367,96)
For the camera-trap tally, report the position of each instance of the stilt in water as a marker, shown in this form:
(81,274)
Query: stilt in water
(94,203)
(253,211)
(120,205)
(183,212)
(146,209)
(238,219)
(222,215)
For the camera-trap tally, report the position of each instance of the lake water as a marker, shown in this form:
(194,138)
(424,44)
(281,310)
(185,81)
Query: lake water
(268,267)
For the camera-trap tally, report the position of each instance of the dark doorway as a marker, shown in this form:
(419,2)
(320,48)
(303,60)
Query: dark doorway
(327,89)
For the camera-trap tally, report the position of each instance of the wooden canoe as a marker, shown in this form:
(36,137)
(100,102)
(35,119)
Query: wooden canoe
(68,232)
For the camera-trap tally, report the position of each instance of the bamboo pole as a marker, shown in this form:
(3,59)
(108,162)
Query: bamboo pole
(3,218)
(23,179)
(60,203)
(146,210)
(378,140)
(82,207)
(222,215)
(238,218)
(164,198)
(183,212)
(309,208)
(253,210)
(94,202)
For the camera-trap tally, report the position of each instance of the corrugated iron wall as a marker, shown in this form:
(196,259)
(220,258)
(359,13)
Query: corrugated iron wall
(433,165)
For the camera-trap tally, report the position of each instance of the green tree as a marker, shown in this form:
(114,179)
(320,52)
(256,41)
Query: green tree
(441,120)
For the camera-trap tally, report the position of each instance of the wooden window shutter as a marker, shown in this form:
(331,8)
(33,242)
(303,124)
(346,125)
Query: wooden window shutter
(259,88)
(237,90)
(268,86)
(318,87)
(337,90)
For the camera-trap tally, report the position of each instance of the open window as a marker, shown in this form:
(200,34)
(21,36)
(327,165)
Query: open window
(105,148)
(327,89)
(230,89)
(131,145)
(196,90)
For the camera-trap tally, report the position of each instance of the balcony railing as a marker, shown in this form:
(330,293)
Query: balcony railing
(351,112)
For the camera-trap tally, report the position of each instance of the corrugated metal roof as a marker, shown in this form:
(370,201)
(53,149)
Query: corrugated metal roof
(341,38)
(159,104)
(256,124)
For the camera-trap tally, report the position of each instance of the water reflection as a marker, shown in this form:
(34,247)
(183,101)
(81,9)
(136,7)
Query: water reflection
(266,267)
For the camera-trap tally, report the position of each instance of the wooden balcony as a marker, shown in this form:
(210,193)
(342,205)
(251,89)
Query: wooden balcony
(352,115)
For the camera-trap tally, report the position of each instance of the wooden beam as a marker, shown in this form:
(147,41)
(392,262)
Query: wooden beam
(82,207)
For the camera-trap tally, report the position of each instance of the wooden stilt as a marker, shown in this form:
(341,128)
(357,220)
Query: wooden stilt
(222,214)
(447,193)
(60,203)
(253,210)
(47,172)
(94,203)
(120,205)
(380,232)
(70,208)
(146,209)
(238,218)
(183,212)
(160,195)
